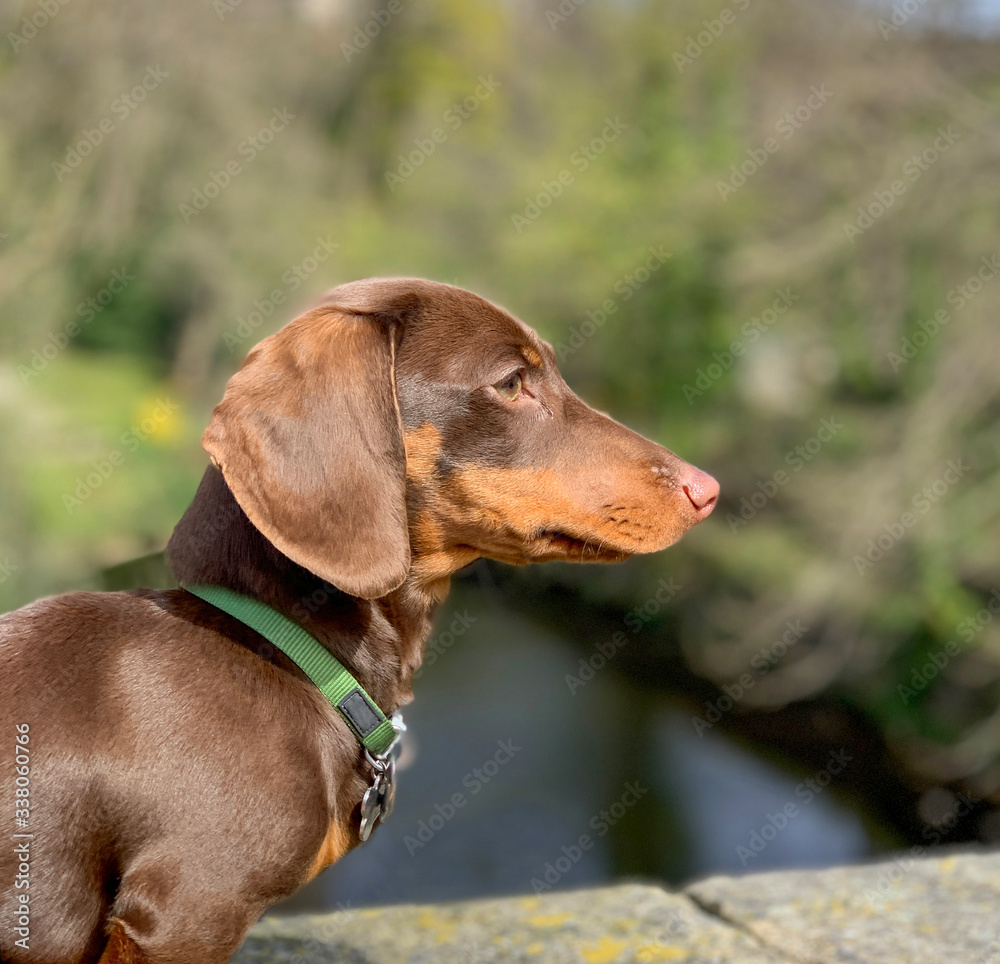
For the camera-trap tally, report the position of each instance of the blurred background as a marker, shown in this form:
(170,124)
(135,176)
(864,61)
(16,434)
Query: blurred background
(762,232)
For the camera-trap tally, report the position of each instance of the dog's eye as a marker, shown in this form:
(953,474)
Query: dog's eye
(509,387)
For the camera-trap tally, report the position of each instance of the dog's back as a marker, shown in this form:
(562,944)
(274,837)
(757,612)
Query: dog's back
(125,718)
(54,657)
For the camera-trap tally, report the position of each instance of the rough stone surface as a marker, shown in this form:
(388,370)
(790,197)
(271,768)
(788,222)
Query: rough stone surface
(631,923)
(911,910)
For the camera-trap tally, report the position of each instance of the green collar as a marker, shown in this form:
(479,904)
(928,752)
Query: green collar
(371,726)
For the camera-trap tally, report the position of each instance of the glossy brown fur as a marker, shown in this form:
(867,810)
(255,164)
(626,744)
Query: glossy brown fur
(184,776)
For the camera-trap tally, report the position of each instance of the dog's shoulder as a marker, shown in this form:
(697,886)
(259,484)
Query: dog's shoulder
(61,618)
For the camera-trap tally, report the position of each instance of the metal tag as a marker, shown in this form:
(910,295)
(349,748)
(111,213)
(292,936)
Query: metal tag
(371,808)
(380,798)
(387,800)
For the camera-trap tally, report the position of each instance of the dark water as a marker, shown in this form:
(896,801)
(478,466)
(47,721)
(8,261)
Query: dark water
(511,783)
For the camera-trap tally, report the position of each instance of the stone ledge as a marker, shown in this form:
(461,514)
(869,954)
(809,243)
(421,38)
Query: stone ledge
(910,910)
(906,910)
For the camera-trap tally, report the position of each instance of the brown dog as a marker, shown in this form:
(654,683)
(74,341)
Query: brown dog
(180,781)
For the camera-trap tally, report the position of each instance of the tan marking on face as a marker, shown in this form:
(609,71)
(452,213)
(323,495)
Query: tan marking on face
(423,446)
(526,514)
(531,356)
(425,533)
(510,514)
(432,560)
(335,844)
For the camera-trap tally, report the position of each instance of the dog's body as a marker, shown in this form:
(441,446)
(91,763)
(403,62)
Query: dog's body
(184,775)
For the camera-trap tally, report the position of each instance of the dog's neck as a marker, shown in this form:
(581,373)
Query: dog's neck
(379,641)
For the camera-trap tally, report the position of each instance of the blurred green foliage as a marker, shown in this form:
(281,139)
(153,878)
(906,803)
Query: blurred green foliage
(679,356)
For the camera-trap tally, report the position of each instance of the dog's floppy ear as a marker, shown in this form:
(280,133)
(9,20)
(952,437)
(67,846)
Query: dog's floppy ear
(309,440)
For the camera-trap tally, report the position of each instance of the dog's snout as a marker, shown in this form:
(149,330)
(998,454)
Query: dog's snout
(702,490)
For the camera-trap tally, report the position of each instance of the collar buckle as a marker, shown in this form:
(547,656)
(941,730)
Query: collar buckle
(368,723)
(380,798)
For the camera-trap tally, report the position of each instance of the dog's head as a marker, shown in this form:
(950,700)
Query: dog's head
(407,425)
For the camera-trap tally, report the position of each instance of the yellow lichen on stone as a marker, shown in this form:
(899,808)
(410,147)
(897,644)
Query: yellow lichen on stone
(549,920)
(650,953)
(605,951)
(442,930)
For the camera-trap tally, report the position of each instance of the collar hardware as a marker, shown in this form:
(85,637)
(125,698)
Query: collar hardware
(376,732)
(360,712)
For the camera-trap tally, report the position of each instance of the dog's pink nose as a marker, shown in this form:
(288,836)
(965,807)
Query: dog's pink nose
(702,490)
